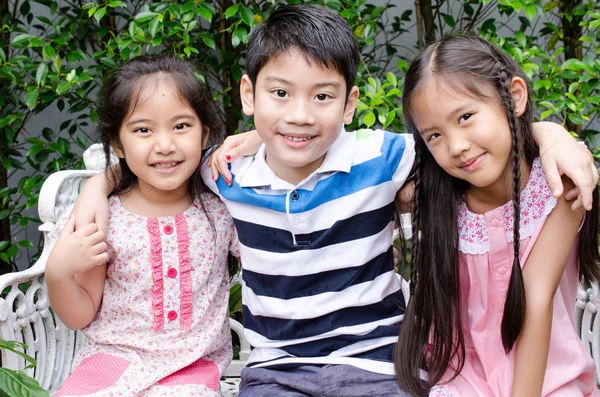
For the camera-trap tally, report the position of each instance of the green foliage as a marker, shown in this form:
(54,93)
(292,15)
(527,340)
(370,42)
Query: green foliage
(16,383)
(59,57)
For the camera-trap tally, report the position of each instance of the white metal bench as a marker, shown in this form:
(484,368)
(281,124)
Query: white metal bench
(25,315)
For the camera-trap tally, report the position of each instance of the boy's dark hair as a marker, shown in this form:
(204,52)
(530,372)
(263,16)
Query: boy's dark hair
(124,91)
(318,32)
(431,334)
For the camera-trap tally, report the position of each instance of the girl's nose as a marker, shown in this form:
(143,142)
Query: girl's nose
(457,145)
(164,143)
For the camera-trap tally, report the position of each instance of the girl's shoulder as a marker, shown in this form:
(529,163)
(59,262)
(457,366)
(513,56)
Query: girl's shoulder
(536,202)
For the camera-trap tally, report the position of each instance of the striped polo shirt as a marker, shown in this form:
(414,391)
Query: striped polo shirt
(319,285)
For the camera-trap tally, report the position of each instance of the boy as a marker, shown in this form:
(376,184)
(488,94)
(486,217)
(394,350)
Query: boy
(314,213)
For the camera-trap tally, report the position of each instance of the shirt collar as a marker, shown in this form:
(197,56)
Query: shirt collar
(339,157)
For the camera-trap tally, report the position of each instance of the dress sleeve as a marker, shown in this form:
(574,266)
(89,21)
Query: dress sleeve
(234,243)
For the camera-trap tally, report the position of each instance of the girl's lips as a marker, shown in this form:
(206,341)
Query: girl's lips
(472,163)
(161,168)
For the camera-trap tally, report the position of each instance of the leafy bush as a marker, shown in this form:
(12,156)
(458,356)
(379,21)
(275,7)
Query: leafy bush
(59,61)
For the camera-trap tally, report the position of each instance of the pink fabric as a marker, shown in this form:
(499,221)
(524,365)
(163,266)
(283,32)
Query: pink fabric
(485,256)
(124,326)
(157,276)
(201,372)
(185,282)
(95,373)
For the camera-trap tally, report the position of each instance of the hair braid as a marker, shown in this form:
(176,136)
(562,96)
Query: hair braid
(515,304)
(415,220)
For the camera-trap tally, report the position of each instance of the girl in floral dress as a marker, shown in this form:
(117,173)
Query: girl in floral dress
(494,280)
(152,294)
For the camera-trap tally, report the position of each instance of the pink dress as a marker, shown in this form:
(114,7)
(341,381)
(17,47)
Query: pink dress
(486,255)
(162,328)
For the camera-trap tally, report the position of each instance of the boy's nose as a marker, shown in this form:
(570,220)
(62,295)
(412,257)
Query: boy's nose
(299,113)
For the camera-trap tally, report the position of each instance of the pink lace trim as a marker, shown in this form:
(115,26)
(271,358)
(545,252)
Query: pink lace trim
(536,203)
(439,391)
(185,280)
(157,273)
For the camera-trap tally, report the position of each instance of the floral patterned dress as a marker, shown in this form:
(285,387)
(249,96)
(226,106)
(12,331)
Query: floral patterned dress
(485,256)
(162,328)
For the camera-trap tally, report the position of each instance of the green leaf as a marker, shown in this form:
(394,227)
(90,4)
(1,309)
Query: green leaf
(42,72)
(3,244)
(232,10)
(2,54)
(99,14)
(48,52)
(209,42)
(389,119)
(62,88)
(369,119)
(247,16)
(116,3)
(521,39)
(530,11)
(144,16)
(449,19)
(26,244)
(21,39)
(16,383)
(31,98)
(154,26)
(205,12)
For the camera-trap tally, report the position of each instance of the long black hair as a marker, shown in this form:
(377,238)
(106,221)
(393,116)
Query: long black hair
(431,336)
(123,92)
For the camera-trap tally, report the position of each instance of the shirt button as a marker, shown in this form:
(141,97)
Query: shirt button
(172,315)
(172,272)
(168,229)
(502,270)
(295,195)
(495,223)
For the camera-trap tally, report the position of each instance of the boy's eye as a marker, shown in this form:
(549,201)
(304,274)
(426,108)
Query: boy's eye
(322,97)
(465,117)
(281,93)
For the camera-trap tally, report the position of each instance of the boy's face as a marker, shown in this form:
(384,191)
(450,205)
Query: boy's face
(299,109)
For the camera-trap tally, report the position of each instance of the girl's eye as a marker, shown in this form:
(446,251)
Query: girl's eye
(322,97)
(181,126)
(432,137)
(281,93)
(465,117)
(143,130)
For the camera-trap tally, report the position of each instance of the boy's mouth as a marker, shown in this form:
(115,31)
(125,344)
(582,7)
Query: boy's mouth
(295,138)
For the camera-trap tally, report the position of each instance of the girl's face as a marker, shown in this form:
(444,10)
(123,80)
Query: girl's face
(469,137)
(161,139)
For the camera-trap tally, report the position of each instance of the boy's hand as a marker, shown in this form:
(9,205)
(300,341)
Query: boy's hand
(562,155)
(235,146)
(77,251)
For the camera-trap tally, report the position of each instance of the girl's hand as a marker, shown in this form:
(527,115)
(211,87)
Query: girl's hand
(562,155)
(76,251)
(235,146)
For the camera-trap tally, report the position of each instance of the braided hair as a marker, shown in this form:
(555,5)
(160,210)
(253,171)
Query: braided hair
(431,336)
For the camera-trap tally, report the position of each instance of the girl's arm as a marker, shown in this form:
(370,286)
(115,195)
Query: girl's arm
(75,274)
(541,275)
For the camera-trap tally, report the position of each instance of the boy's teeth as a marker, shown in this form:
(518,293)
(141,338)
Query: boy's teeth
(165,165)
(298,139)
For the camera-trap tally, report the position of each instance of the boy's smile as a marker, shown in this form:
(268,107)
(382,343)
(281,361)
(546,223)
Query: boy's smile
(299,110)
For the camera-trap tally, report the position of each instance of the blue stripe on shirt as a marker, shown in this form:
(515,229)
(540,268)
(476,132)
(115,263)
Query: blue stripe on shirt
(359,226)
(284,329)
(290,287)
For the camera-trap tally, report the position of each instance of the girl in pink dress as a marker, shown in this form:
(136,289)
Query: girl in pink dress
(151,294)
(496,258)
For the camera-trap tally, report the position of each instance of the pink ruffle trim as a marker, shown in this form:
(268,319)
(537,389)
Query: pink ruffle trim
(157,274)
(185,281)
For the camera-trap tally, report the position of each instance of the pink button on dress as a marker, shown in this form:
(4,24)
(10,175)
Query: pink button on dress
(157,334)
(486,255)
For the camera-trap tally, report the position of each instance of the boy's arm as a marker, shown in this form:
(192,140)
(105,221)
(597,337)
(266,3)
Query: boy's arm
(562,155)
(541,275)
(75,274)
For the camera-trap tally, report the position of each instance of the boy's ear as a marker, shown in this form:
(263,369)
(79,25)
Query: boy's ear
(350,105)
(247,95)
(518,91)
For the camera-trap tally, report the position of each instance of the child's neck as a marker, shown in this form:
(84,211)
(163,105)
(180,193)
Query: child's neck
(147,201)
(483,199)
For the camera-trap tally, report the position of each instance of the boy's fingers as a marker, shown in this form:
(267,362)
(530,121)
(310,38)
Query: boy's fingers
(554,180)
(577,203)
(584,180)
(572,194)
